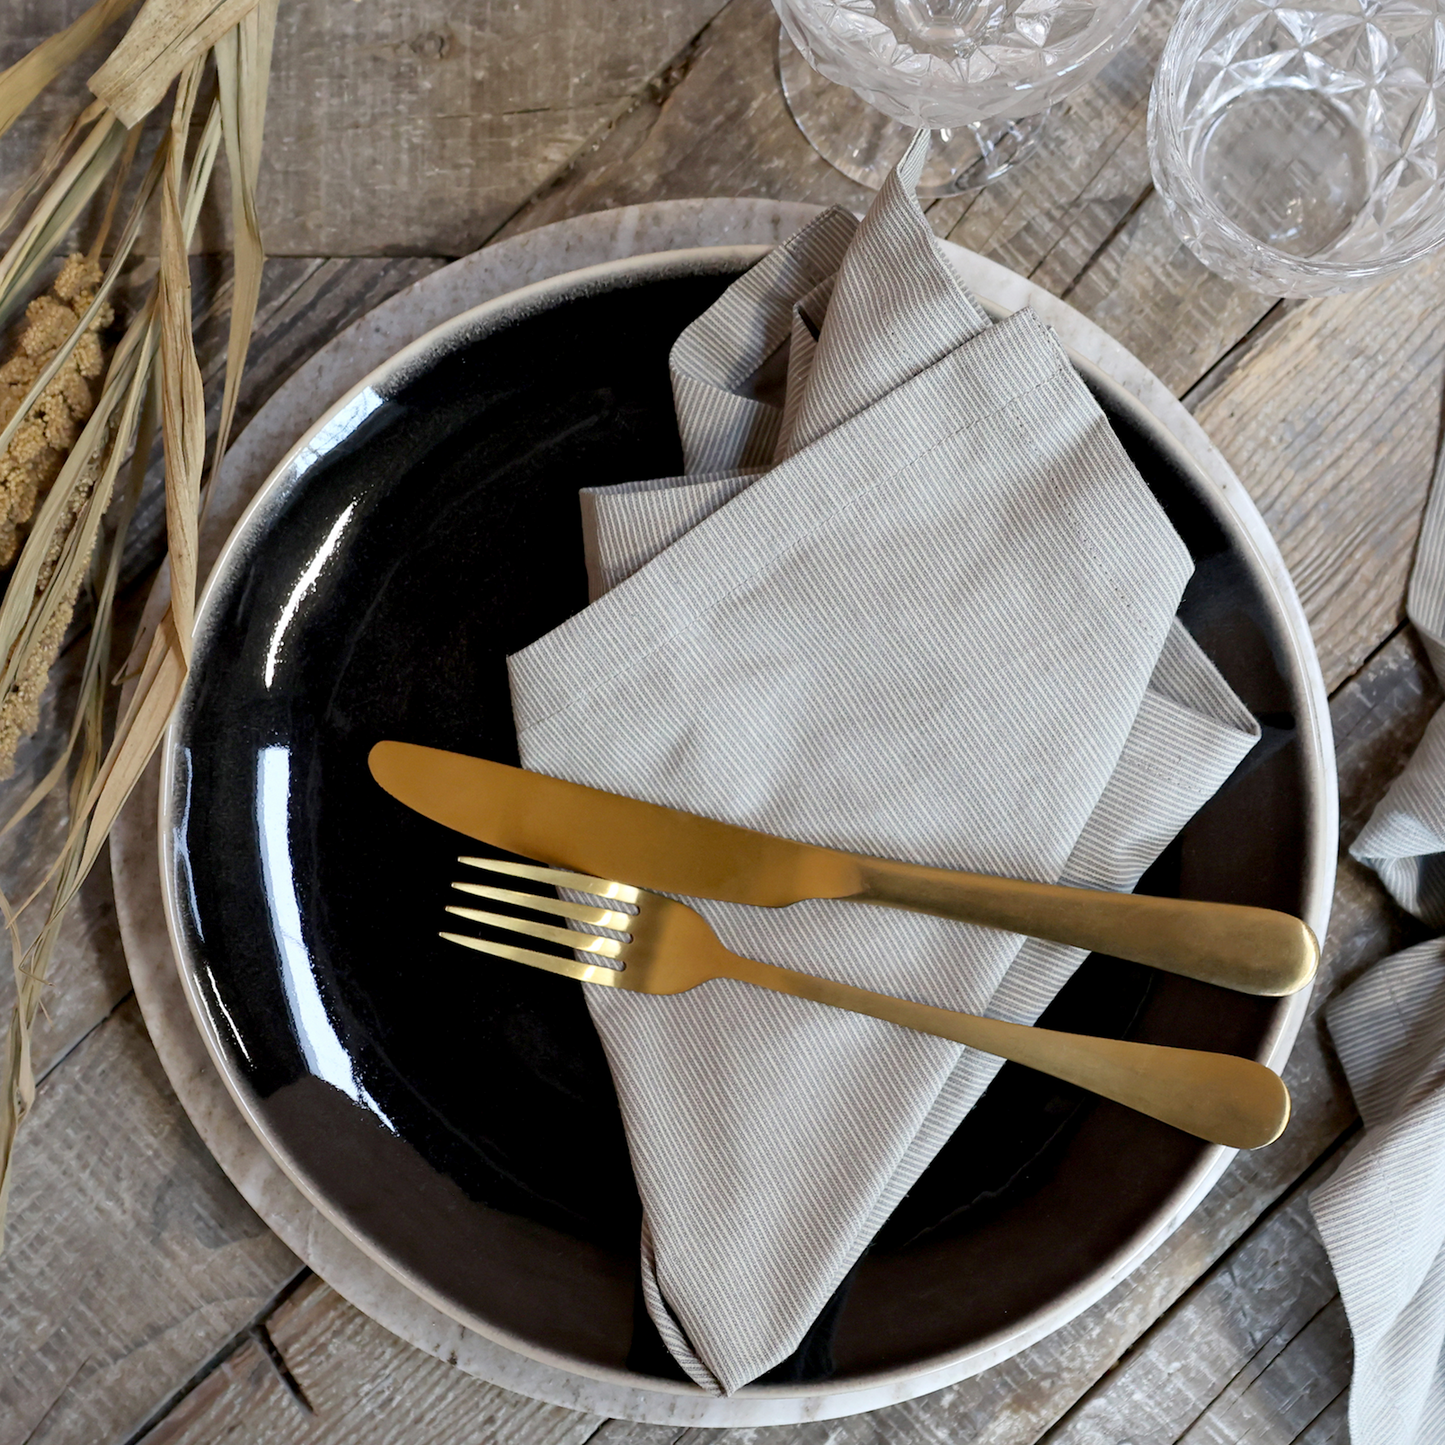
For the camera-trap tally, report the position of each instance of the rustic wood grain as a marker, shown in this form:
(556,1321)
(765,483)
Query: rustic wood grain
(88,974)
(1305,1378)
(1079,217)
(1330,1427)
(1147,289)
(719,127)
(465,111)
(130,1257)
(352,1383)
(1229,1355)
(629,1432)
(1377,722)
(1332,421)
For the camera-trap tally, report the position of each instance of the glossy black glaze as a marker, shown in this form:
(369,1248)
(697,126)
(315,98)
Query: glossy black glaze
(469,1127)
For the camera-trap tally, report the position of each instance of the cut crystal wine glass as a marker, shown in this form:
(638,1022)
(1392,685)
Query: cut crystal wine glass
(860,76)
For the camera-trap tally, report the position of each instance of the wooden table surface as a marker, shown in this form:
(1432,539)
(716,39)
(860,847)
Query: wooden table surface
(142,1300)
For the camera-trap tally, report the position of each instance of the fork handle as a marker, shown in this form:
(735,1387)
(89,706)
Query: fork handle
(1219,1097)
(1253,950)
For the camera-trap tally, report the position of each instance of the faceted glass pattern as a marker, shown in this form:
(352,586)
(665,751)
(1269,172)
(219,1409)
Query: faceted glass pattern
(1299,149)
(941,64)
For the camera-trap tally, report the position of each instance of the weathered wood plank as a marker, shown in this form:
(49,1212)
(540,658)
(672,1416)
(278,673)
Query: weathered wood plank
(464,113)
(416,127)
(1307,1376)
(1331,1426)
(1377,721)
(360,1386)
(88,974)
(723,129)
(1147,289)
(130,1257)
(1229,1352)
(1332,422)
(719,127)
(629,1432)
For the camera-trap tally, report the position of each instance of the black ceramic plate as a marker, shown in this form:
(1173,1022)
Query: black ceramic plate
(460,1122)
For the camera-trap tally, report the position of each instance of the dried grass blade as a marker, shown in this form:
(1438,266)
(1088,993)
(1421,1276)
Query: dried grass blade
(117,188)
(243,68)
(164,38)
(56,212)
(154,699)
(202,165)
(163,673)
(183,406)
(51,163)
(33,72)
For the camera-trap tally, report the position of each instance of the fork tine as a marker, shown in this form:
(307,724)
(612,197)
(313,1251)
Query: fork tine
(597,917)
(558,878)
(567,937)
(567,967)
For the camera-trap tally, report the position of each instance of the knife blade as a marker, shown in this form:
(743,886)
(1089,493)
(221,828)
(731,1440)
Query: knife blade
(587,830)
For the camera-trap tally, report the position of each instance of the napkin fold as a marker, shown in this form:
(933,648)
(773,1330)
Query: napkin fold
(911,600)
(1382,1214)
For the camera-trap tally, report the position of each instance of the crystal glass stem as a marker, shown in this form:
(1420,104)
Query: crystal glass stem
(865,144)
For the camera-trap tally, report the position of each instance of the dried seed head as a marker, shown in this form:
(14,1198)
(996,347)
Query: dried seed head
(37,451)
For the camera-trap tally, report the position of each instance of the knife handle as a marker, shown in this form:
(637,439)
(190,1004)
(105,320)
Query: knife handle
(1252,950)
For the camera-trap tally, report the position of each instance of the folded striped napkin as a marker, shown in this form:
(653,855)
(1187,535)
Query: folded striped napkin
(920,606)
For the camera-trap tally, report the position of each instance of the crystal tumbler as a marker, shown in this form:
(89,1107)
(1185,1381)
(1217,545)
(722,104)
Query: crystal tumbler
(979,73)
(1298,149)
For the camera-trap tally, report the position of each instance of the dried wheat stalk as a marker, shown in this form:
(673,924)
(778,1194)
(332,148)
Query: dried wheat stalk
(73,412)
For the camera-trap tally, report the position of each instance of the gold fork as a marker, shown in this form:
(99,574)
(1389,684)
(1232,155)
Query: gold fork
(670,948)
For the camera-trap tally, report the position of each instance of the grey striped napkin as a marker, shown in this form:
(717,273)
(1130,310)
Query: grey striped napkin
(1382,1215)
(898,609)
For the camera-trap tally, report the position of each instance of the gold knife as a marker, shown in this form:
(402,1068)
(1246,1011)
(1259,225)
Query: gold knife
(1254,950)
